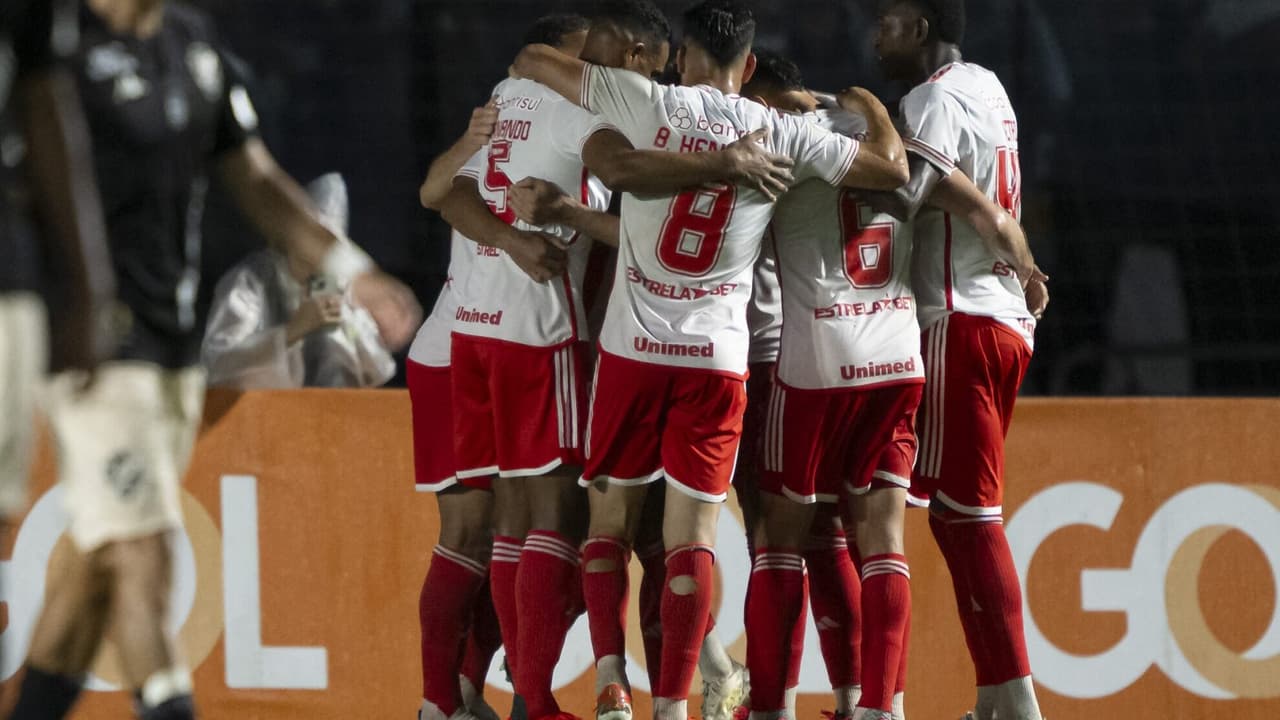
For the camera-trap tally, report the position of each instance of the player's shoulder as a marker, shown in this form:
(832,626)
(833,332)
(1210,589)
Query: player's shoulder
(838,121)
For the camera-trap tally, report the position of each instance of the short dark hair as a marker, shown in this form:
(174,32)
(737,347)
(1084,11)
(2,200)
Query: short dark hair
(946,19)
(774,70)
(724,28)
(551,29)
(641,18)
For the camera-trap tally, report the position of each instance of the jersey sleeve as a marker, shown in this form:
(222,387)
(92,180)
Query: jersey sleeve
(818,152)
(623,98)
(574,126)
(237,118)
(932,120)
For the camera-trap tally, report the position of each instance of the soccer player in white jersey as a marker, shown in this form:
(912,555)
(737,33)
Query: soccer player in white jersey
(979,295)
(455,606)
(669,394)
(848,384)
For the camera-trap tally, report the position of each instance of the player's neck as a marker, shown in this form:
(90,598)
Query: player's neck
(140,18)
(727,81)
(935,58)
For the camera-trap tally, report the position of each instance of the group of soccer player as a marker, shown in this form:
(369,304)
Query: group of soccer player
(779,252)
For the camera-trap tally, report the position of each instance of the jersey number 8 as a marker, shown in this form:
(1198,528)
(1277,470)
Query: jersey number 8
(694,229)
(868,248)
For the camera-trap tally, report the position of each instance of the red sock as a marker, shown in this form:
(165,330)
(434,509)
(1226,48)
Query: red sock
(886,605)
(996,599)
(775,598)
(654,561)
(502,590)
(548,580)
(684,618)
(444,612)
(606,592)
(958,565)
(835,595)
(795,643)
(483,641)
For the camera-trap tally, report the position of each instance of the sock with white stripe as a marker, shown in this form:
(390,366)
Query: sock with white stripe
(444,615)
(503,567)
(548,586)
(775,598)
(886,605)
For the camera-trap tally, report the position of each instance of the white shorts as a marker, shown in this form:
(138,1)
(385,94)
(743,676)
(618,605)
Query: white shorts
(24,355)
(123,447)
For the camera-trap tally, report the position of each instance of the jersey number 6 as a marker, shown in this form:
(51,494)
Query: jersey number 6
(868,248)
(694,229)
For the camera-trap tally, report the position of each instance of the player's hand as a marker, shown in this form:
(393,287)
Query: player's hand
(1037,294)
(483,121)
(315,312)
(391,304)
(751,165)
(540,255)
(538,202)
(859,100)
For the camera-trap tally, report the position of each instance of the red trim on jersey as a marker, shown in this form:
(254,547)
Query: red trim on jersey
(852,388)
(946,259)
(943,71)
(564,276)
(512,343)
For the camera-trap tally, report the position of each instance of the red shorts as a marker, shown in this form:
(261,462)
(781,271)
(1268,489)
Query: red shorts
(973,366)
(517,409)
(429,397)
(820,444)
(648,421)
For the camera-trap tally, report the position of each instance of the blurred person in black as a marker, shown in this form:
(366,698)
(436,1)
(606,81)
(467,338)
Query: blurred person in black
(47,202)
(164,109)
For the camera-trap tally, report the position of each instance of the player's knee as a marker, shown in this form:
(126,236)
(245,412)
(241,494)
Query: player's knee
(683,585)
(601,565)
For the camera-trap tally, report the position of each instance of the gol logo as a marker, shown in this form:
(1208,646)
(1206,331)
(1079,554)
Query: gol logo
(1158,593)
(216,592)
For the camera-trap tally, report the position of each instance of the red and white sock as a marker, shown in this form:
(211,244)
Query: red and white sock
(995,598)
(653,560)
(503,567)
(835,594)
(483,640)
(775,598)
(547,587)
(886,606)
(684,618)
(444,614)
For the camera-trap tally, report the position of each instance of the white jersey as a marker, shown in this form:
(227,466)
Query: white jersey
(431,345)
(764,314)
(685,261)
(849,316)
(961,118)
(539,134)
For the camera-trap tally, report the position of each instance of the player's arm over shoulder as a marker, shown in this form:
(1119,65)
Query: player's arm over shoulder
(877,162)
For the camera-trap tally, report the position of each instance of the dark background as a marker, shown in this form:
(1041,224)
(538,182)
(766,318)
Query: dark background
(1150,145)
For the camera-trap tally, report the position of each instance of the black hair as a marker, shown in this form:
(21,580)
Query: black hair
(773,70)
(641,18)
(946,19)
(551,29)
(724,28)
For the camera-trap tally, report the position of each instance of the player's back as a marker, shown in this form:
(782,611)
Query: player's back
(961,118)
(684,275)
(538,135)
(848,308)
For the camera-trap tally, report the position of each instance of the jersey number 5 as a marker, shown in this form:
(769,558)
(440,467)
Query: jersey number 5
(497,182)
(694,229)
(1009,181)
(868,248)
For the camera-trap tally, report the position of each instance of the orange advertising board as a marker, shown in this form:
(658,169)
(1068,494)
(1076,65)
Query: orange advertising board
(1148,533)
